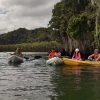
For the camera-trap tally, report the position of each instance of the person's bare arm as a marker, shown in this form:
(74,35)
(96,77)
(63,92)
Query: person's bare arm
(90,57)
(98,59)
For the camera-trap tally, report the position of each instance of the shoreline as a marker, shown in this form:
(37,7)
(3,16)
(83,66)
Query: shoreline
(31,47)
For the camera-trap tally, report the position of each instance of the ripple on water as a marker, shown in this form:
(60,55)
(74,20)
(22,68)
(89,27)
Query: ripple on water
(28,81)
(33,80)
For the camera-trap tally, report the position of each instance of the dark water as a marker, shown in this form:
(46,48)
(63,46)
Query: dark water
(33,80)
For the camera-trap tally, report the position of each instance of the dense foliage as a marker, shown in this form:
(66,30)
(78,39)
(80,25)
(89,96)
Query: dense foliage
(23,35)
(75,27)
(74,21)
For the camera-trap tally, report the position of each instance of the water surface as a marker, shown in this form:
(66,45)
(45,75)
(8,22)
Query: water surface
(34,80)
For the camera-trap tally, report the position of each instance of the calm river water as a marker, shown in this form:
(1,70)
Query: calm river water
(33,80)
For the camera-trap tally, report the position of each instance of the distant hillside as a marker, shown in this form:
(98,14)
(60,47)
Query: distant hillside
(23,35)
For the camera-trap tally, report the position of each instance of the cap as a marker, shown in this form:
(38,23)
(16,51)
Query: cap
(77,50)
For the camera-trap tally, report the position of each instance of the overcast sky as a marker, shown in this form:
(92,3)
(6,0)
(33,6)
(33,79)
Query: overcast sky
(25,13)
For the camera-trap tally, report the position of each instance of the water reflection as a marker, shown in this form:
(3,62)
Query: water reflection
(28,81)
(78,83)
(33,80)
(76,70)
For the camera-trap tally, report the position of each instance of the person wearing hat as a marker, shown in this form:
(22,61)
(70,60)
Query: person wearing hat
(77,54)
(95,56)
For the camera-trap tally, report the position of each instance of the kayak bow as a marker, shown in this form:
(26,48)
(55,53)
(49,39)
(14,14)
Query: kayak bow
(15,59)
(54,61)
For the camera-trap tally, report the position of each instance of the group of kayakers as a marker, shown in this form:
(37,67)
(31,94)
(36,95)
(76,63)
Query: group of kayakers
(77,55)
(62,53)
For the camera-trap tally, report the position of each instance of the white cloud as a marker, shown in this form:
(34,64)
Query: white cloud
(25,13)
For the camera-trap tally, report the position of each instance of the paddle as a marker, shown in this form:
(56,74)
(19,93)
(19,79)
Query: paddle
(26,58)
(65,57)
(37,57)
(30,59)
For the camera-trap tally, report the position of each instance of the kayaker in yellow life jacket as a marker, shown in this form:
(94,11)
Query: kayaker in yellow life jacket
(95,56)
(77,54)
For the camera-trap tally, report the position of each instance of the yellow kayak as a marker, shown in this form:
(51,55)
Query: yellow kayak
(73,62)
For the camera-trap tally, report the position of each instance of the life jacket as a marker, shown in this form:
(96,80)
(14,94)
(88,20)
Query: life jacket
(77,56)
(95,56)
(52,54)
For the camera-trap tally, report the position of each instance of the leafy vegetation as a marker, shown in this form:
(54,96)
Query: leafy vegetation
(34,47)
(23,35)
(74,23)
(75,26)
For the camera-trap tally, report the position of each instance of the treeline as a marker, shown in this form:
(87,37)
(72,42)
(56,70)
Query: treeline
(23,35)
(74,24)
(32,47)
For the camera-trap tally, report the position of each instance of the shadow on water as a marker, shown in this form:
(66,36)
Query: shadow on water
(15,64)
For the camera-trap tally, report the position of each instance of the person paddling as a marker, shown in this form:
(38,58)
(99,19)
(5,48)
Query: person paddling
(18,52)
(77,54)
(95,56)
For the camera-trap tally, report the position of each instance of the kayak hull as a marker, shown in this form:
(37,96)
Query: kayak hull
(73,62)
(15,59)
(54,61)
